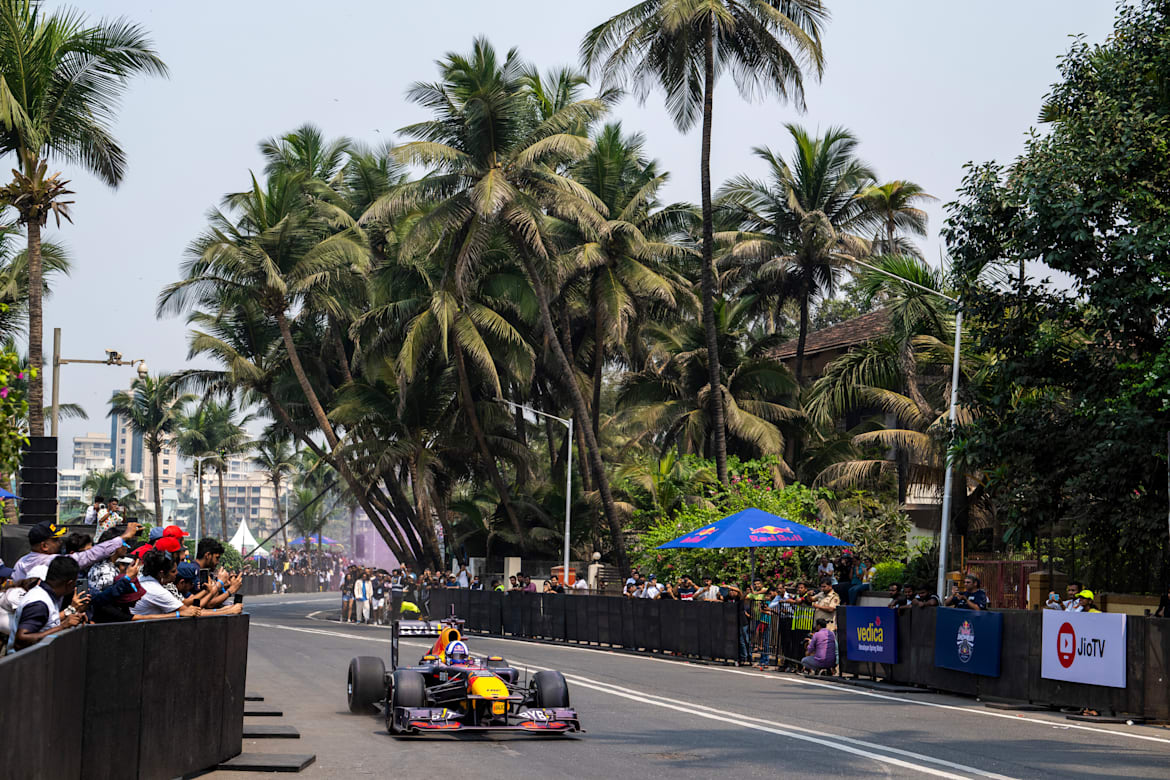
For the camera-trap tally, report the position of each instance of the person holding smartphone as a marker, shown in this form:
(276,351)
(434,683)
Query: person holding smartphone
(971,597)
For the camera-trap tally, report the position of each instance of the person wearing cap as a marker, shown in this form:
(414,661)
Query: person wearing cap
(1086,599)
(157,571)
(44,541)
(652,590)
(113,605)
(39,613)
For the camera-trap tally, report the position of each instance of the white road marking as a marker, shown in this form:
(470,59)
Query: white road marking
(792,680)
(841,743)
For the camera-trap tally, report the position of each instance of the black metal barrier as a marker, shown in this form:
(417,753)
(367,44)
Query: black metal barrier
(688,628)
(1147,651)
(262,584)
(145,699)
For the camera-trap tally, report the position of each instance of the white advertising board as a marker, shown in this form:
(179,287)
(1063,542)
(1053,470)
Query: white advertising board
(1083,647)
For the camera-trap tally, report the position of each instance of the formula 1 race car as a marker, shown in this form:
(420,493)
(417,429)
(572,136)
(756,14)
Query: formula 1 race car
(451,691)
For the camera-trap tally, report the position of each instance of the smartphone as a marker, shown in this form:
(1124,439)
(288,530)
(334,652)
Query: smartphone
(238,598)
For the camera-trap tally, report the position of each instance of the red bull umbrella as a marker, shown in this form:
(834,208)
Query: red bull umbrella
(753,528)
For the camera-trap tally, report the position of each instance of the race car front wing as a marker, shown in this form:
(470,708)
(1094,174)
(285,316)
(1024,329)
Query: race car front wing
(418,720)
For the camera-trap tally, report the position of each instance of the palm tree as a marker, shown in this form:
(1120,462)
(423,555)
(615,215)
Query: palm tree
(670,396)
(679,46)
(309,517)
(276,458)
(226,438)
(151,408)
(63,79)
(897,205)
(798,228)
(495,175)
(14,273)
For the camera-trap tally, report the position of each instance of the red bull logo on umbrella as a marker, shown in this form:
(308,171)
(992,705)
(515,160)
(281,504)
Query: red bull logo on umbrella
(707,531)
(773,533)
(771,529)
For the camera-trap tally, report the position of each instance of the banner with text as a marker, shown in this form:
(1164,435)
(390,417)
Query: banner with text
(968,641)
(1083,647)
(873,635)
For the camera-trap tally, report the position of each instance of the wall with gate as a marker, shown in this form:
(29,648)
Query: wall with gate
(145,699)
(1147,691)
(694,628)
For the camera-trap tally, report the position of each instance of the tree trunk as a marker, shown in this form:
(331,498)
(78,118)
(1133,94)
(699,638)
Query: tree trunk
(714,373)
(158,515)
(223,527)
(425,524)
(801,337)
(582,413)
(339,348)
(481,441)
(280,518)
(36,386)
(567,345)
(598,364)
(314,402)
(202,519)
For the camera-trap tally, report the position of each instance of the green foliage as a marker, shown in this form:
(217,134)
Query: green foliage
(13,409)
(231,559)
(877,529)
(888,572)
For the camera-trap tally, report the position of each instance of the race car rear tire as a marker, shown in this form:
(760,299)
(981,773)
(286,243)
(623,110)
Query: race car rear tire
(366,683)
(551,689)
(409,689)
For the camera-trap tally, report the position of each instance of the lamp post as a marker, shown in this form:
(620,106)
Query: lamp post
(199,513)
(568,423)
(948,481)
(113,358)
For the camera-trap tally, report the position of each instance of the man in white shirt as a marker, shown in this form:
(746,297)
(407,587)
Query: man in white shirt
(462,577)
(652,590)
(709,591)
(580,584)
(91,512)
(361,596)
(1072,603)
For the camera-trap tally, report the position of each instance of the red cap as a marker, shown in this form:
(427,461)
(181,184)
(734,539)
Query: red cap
(175,531)
(138,552)
(168,544)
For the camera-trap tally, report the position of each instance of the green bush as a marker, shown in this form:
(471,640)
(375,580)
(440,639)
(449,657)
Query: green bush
(888,572)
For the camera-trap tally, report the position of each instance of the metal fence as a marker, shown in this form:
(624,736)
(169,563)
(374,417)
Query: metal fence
(1006,582)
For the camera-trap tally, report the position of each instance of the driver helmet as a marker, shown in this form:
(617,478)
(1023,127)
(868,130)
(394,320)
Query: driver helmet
(457,653)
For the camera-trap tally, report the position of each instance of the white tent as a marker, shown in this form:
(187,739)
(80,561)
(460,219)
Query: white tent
(246,543)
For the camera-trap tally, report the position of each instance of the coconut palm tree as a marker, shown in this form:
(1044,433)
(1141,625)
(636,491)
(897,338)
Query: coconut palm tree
(152,408)
(276,458)
(800,226)
(670,396)
(897,204)
(226,438)
(63,80)
(680,46)
(495,166)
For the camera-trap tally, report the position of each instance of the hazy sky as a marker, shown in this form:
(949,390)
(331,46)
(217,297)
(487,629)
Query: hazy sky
(925,85)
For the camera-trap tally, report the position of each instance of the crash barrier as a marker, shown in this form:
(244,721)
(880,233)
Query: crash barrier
(782,633)
(145,699)
(261,584)
(690,628)
(924,638)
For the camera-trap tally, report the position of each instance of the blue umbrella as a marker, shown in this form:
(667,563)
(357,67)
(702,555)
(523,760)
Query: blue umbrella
(753,528)
(7,494)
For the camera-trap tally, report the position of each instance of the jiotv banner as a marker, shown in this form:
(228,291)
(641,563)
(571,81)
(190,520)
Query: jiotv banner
(1083,647)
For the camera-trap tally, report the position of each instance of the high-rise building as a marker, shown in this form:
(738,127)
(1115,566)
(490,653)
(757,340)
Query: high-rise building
(91,452)
(131,457)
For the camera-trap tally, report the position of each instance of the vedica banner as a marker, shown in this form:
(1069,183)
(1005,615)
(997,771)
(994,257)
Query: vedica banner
(968,641)
(1083,647)
(872,635)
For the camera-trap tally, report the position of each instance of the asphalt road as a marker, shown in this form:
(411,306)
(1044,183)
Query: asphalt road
(656,718)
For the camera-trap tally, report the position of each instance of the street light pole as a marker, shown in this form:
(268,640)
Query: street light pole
(113,358)
(568,423)
(948,481)
(199,484)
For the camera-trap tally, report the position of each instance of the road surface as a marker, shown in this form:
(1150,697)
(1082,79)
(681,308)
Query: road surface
(649,718)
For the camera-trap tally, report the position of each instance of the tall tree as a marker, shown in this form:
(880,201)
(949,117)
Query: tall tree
(276,458)
(152,408)
(803,223)
(61,81)
(898,205)
(496,174)
(680,47)
(226,439)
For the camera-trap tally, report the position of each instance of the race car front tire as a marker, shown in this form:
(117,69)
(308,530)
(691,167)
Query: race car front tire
(409,689)
(550,689)
(366,684)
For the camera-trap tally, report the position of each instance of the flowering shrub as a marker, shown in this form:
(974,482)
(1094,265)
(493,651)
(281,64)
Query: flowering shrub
(13,410)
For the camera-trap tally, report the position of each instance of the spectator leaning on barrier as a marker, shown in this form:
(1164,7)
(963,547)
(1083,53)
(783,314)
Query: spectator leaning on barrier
(686,589)
(923,596)
(39,614)
(1086,598)
(1072,602)
(44,541)
(826,603)
(971,597)
(895,594)
(709,591)
(91,511)
(822,648)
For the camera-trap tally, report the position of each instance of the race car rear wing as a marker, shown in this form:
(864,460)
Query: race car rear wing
(413,628)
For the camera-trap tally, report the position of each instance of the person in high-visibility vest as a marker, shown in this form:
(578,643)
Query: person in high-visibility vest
(496,586)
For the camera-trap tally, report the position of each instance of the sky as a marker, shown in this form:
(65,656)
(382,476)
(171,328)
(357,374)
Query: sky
(926,86)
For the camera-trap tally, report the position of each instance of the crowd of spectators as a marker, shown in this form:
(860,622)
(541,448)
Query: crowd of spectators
(325,567)
(69,580)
